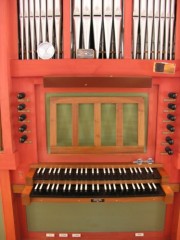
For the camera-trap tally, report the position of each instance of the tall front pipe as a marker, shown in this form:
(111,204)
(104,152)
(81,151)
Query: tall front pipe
(77,22)
(117,25)
(162,22)
(26,18)
(107,16)
(156,27)
(57,13)
(97,24)
(86,20)
(21,14)
(149,27)
(32,28)
(43,20)
(135,27)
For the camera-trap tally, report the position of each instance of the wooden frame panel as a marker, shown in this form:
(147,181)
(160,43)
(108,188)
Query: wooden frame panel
(98,147)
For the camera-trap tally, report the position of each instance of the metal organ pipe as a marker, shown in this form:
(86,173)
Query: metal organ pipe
(39,21)
(153,29)
(98,26)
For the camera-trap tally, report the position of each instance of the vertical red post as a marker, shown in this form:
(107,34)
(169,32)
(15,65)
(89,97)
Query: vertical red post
(128,7)
(7,203)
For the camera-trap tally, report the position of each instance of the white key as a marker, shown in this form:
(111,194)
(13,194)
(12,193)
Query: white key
(57,187)
(69,188)
(77,170)
(155,188)
(52,188)
(48,186)
(105,188)
(54,171)
(92,171)
(109,172)
(114,187)
(124,170)
(64,187)
(98,187)
(140,170)
(113,171)
(39,169)
(133,186)
(40,188)
(70,171)
(138,187)
(97,171)
(142,185)
(81,171)
(104,171)
(122,188)
(149,185)
(120,171)
(147,171)
(58,172)
(151,170)
(131,171)
(36,187)
(43,171)
(81,187)
(85,187)
(109,187)
(76,189)
(86,171)
(50,170)
(126,186)
(65,171)
(93,187)
(135,170)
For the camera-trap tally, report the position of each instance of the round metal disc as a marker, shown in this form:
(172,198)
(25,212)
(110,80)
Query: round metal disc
(45,50)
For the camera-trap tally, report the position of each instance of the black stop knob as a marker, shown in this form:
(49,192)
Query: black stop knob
(169,150)
(21,106)
(172,95)
(171,117)
(23,138)
(172,106)
(22,117)
(169,140)
(21,95)
(171,128)
(22,128)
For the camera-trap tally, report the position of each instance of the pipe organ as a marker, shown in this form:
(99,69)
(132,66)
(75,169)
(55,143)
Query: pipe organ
(89,119)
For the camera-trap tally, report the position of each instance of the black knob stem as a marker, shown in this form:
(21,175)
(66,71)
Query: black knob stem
(169,150)
(171,128)
(22,117)
(169,140)
(172,106)
(21,106)
(171,117)
(23,138)
(22,128)
(21,95)
(172,95)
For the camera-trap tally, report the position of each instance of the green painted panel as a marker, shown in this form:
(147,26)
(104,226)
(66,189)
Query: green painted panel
(2,231)
(86,129)
(96,217)
(130,124)
(86,125)
(64,124)
(108,124)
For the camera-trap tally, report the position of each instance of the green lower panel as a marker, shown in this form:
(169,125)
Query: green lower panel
(96,217)
(2,232)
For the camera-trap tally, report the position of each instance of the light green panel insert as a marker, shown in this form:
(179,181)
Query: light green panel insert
(86,125)
(2,232)
(108,124)
(64,124)
(96,217)
(130,124)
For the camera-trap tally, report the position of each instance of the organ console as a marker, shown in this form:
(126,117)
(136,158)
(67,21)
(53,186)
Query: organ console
(96,183)
(89,119)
